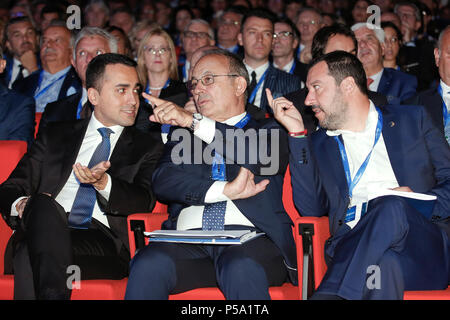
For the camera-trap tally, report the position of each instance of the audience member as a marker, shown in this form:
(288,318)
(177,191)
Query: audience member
(397,86)
(56,78)
(359,11)
(146,11)
(392,44)
(245,196)
(437,99)
(88,43)
(285,41)
(16,113)
(138,33)
(391,17)
(123,42)
(337,170)
(21,40)
(228,28)
(256,37)
(96,14)
(68,212)
(123,19)
(163,14)
(198,33)
(50,13)
(308,22)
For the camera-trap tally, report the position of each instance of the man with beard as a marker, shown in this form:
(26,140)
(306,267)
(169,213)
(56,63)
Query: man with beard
(22,44)
(361,149)
(56,79)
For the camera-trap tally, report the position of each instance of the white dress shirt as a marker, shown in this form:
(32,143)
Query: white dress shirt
(15,72)
(191,217)
(376,81)
(379,173)
(259,73)
(91,140)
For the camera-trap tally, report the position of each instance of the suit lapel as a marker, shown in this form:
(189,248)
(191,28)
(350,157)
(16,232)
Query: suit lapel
(385,81)
(122,150)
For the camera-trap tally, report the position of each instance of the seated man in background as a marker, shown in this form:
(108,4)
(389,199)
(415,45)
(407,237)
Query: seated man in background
(337,171)
(238,190)
(16,113)
(69,196)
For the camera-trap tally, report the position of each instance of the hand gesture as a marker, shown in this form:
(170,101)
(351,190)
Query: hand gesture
(29,61)
(166,112)
(243,186)
(95,176)
(286,113)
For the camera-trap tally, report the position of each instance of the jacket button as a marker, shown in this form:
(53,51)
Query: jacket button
(340,222)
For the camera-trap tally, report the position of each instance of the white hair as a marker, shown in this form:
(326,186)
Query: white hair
(379,32)
(94,31)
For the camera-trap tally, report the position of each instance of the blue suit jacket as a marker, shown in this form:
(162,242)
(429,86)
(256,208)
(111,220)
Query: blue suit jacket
(418,152)
(280,83)
(396,85)
(186,184)
(17,113)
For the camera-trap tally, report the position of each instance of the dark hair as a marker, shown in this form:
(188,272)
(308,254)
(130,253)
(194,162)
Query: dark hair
(291,25)
(341,65)
(389,24)
(51,8)
(14,21)
(259,13)
(322,36)
(96,68)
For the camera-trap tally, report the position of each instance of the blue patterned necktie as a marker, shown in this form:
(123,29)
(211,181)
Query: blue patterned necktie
(214,213)
(81,213)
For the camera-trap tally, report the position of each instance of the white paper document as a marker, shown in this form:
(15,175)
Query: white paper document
(202,236)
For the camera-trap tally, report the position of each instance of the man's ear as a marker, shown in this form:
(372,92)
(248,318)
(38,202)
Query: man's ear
(2,64)
(240,39)
(93,96)
(241,86)
(436,56)
(348,85)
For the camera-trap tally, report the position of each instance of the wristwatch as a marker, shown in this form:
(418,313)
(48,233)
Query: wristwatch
(196,117)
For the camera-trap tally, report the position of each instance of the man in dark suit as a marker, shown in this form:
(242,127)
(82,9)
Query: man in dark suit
(228,27)
(56,79)
(396,85)
(21,40)
(69,196)
(16,113)
(256,37)
(380,245)
(326,40)
(246,193)
(437,99)
(285,40)
(87,44)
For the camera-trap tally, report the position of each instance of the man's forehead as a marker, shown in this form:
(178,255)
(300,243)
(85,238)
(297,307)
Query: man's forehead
(197,26)
(120,73)
(92,40)
(20,25)
(214,64)
(318,72)
(282,26)
(262,23)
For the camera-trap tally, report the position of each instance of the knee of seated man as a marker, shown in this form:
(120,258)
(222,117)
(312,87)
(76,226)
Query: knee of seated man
(240,268)
(389,208)
(151,259)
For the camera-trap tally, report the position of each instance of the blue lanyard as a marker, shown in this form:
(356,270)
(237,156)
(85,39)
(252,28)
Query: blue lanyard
(41,75)
(444,107)
(80,106)
(292,68)
(261,80)
(183,69)
(218,166)
(352,183)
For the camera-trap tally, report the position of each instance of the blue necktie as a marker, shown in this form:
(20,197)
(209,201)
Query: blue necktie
(81,214)
(214,213)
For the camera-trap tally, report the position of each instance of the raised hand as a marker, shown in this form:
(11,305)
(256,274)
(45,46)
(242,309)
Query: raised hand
(95,176)
(166,112)
(286,113)
(244,186)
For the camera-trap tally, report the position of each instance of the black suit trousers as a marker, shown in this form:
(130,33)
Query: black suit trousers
(48,255)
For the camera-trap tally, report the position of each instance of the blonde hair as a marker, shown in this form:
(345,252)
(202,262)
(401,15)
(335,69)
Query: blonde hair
(142,68)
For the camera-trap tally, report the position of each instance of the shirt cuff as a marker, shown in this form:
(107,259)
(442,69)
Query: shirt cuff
(105,192)
(215,192)
(206,130)
(14,212)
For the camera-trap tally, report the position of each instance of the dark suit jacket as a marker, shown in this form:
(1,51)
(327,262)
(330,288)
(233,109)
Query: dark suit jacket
(413,144)
(309,120)
(5,77)
(28,85)
(397,86)
(279,83)
(17,113)
(185,184)
(301,70)
(432,101)
(47,166)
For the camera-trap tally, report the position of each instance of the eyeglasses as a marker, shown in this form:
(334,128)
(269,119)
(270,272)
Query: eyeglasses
(154,51)
(228,22)
(282,35)
(392,40)
(307,23)
(192,34)
(206,80)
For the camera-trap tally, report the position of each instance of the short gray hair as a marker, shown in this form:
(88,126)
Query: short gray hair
(204,22)
(100,3)
(379,32)
(93,31)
